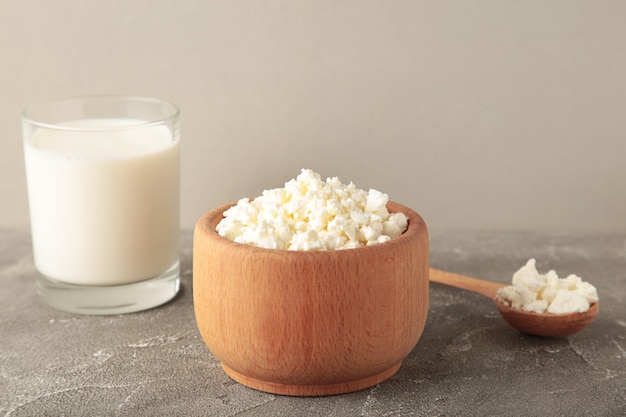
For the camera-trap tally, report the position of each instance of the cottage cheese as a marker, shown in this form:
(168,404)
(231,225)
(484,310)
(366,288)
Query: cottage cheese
(309,214)
(532,291)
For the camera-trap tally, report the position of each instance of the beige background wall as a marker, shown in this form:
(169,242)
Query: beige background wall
(497,114)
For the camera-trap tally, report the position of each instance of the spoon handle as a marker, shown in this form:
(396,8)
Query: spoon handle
(479,286)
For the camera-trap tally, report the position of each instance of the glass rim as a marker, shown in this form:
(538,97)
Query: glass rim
(38,122)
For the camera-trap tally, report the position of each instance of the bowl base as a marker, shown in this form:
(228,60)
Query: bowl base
(312,390)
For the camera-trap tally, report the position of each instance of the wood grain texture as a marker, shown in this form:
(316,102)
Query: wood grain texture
(310,323)
(479,286)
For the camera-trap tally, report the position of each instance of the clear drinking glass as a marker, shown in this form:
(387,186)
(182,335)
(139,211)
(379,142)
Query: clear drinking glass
(103,188)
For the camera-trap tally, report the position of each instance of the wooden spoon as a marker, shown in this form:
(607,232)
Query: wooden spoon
(547,325)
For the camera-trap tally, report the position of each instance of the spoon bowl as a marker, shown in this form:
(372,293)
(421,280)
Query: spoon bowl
(546,325)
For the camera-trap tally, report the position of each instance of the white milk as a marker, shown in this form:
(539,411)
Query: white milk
(104,205)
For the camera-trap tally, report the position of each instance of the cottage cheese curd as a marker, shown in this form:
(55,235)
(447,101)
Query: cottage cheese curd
(310,214)
(535,292)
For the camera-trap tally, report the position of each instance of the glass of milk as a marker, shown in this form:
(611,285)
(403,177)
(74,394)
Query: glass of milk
(103,188)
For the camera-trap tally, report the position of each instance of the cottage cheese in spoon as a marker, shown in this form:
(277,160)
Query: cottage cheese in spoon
(539,293)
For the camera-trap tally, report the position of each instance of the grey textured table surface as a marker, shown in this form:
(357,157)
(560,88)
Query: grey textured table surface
(467,362)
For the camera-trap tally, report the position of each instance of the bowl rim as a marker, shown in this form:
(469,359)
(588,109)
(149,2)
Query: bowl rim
(415,228)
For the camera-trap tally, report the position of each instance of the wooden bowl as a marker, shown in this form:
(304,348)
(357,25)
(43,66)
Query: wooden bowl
(310,323)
